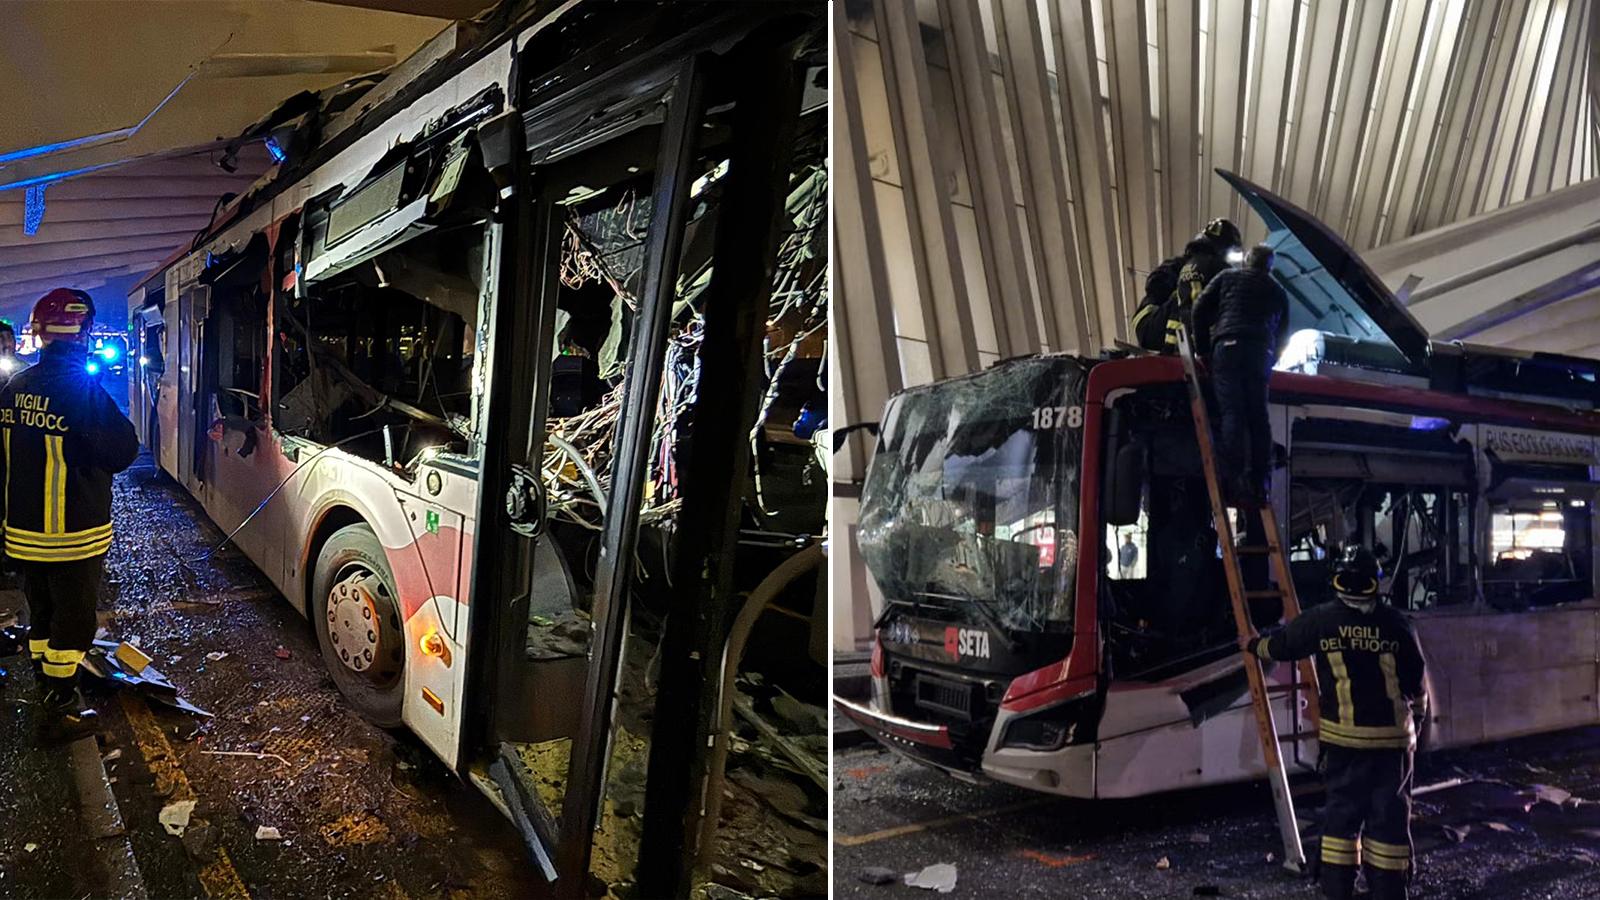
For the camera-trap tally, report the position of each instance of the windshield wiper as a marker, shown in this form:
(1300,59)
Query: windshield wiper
(990,617)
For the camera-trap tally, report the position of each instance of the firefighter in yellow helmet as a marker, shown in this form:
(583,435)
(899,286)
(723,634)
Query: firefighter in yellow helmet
(1171,289)
(1370,687)
(62,439)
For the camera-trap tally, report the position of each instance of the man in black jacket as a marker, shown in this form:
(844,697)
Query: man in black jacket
(1171,288)
(63,438)
(1240,321)
(1370,687)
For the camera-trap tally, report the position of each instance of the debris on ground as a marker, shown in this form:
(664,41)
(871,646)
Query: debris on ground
(174,816)
(1499,826)
(30,847)
(124,665)
(939,877)
(562,635)
(268,833)
(1457,834)
(1164,863)
(113,756)
(217,655)
(282,652)
(1199,838)
(1053,861)
(1550,794)
(878,875)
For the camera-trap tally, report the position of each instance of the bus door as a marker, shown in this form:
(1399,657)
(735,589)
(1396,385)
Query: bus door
(192,308)
(623,204)
(577,351)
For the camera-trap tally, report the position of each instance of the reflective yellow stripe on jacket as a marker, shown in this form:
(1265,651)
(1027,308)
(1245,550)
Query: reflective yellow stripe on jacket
(34,546)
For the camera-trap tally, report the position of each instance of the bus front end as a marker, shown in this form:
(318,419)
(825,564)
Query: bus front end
(969,527)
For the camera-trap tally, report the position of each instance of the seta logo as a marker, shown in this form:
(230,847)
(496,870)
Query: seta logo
(966,642)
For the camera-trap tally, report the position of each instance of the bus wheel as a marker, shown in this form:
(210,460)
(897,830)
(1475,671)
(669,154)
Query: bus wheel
(357,616)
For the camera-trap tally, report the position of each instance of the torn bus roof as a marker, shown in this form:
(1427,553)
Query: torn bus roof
(1332,289)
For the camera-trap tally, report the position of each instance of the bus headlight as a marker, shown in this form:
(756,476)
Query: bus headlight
(1072,721)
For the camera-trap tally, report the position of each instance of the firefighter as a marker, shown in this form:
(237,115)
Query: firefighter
(1240,322)
(9,364)
(1370,679)
(63,438)
(1172,287)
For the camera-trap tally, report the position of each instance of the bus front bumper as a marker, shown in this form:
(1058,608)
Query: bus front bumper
(923,742)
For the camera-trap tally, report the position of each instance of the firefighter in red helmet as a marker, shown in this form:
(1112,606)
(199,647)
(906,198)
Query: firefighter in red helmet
(62,438)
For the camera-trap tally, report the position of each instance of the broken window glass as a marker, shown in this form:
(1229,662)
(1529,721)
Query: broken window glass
(380,358)
(970,507)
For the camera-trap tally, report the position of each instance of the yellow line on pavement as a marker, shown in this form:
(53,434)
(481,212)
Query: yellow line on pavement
(218,878)
(856,840)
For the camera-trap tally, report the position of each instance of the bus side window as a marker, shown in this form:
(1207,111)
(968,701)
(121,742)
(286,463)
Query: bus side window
(1541,549)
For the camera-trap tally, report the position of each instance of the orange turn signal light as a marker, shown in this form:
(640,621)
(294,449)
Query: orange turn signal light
(433,645)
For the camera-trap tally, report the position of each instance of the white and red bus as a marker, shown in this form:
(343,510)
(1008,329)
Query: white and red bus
(433,372)
(1054,609)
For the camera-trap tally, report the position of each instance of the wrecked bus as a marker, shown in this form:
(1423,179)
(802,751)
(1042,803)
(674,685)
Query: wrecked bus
(1021,640)
(435,375)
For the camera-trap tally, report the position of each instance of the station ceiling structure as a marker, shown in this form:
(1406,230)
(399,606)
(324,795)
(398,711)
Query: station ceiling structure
(118,115)
(1015,167)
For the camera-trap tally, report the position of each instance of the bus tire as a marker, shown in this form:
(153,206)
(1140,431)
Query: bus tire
(356,612)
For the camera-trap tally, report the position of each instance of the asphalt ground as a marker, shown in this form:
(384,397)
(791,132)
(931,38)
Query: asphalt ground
(1488,837)
(361,811)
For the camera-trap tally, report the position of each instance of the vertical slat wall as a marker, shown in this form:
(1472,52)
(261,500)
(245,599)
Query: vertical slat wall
(1020,165)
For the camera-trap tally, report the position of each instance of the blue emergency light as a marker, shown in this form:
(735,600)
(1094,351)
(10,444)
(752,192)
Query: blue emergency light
(93,367)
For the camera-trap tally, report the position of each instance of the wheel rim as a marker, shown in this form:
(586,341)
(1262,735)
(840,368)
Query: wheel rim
(364,624)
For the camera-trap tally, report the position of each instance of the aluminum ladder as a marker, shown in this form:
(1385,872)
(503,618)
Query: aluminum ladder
(1294,857)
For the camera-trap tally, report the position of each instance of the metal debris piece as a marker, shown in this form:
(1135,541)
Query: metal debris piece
(268,833)
(282,652)
(1551,794)
(1441,786)
(1458,835)
(1501,827)
(217,655)
(878,875)
(812,767)
(113,756)
(1163,863)
(114,663)
(253,754)
(939,877)
(174,817)
(30,847)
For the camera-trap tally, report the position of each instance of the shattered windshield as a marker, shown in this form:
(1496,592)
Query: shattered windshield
(969,511)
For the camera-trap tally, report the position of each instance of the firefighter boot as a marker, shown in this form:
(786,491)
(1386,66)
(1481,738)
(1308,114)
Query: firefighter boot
(1386,885)
(66,716)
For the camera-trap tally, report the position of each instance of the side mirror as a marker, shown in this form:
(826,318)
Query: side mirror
(1125,484)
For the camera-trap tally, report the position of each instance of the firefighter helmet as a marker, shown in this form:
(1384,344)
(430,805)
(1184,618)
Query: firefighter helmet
(1356,575)
(1223,233)
(64,313)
